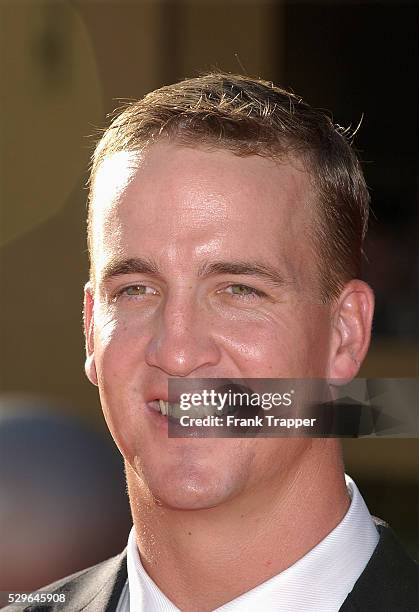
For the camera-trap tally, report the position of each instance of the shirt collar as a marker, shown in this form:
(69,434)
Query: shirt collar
(321,580)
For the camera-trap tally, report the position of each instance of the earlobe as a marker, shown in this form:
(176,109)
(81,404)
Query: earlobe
(352,330)
(88,318)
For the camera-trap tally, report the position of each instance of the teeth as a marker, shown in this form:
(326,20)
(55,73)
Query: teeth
(164,407)
(176,412)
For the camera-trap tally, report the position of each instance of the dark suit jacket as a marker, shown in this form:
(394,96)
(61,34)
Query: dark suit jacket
(389,583)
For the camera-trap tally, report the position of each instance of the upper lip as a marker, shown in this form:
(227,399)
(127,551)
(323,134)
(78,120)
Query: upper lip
(156,397)
(162,392)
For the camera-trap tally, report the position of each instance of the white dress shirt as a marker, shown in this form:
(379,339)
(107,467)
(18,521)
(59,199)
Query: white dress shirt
(318,582)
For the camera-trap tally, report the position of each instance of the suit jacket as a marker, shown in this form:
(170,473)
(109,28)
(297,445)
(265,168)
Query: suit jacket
(389,583)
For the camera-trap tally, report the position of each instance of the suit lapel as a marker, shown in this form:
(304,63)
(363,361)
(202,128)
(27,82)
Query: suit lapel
(98,589)
(109,582)
(390,580)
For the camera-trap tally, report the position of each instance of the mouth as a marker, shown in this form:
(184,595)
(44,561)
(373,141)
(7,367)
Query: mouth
(163,406)
(174,411)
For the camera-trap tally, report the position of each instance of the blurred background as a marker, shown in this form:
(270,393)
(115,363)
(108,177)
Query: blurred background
(63,66)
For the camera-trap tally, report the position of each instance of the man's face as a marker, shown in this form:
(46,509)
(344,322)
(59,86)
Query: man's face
(203,269)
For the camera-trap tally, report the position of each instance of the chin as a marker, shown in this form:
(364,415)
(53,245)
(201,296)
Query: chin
(185,488)
(184,500)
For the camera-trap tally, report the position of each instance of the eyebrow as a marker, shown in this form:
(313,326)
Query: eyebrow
(244,268)
(131,265)
(139,265)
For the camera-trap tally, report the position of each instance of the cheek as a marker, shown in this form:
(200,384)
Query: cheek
(256,349)
(119,343)
(315,337)
(119,359)
(290,344)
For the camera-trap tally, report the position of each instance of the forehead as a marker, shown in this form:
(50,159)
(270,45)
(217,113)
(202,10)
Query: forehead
(197,201)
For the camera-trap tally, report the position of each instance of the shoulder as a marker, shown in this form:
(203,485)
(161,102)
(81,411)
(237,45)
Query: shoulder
(93,588)
(389,582)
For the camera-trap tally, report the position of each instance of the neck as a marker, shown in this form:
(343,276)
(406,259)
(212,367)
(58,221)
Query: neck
(251,538)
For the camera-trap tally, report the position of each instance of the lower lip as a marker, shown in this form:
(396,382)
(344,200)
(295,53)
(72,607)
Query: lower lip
(156,417)
(162,422)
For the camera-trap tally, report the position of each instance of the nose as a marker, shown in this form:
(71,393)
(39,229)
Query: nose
(182,342)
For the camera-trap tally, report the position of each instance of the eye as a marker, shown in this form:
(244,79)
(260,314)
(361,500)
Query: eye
(135,291)
(243,291)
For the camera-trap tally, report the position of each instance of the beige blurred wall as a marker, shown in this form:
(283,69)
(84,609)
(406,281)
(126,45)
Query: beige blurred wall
(63,66)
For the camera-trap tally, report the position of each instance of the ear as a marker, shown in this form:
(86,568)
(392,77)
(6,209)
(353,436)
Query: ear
(351,332)
(89,328)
